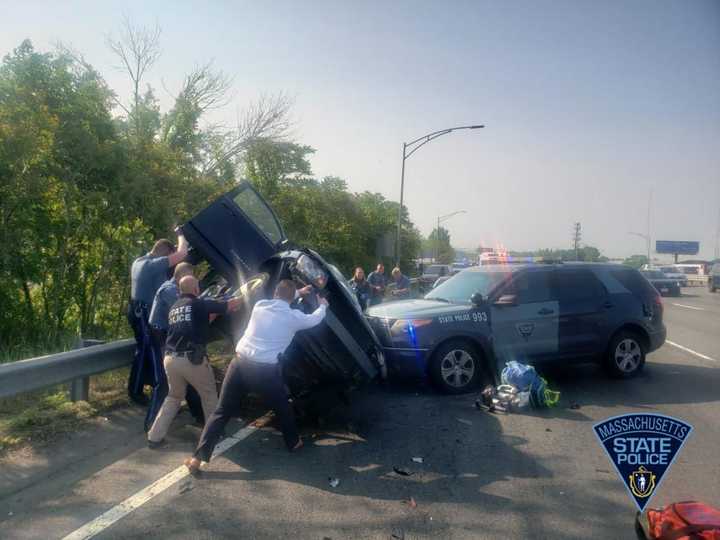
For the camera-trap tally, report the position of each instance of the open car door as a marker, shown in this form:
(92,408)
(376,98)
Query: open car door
(236,233)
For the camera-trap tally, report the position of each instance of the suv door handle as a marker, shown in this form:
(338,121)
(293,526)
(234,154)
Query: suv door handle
(546,311)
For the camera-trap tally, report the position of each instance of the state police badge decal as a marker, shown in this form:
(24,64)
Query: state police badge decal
(642,447)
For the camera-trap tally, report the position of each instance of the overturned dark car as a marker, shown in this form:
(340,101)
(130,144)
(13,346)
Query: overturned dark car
(246,251)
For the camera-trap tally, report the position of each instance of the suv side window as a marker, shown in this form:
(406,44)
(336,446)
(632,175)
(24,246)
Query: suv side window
(530,287)
(577,286)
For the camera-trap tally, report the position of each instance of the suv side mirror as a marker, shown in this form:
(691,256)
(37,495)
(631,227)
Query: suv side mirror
(477,299)
(506,300)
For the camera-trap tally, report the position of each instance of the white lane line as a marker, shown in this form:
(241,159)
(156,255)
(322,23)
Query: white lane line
(116,513)
(681,347)
(688,307)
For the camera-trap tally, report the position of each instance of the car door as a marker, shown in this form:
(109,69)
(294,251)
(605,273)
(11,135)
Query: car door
(584,307)
(527,328)
(236,233)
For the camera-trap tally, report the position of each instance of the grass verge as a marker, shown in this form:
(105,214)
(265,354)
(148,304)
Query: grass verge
(40,417)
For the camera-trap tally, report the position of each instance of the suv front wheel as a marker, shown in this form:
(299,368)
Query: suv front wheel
(456,367)
(626,355)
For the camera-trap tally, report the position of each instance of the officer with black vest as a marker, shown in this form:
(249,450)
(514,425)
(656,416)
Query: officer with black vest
(146,275)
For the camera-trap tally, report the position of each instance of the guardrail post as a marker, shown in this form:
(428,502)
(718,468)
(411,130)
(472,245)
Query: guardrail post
(80,388)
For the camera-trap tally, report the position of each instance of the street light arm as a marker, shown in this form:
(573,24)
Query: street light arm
(443,132)
(448,216)
(427,138)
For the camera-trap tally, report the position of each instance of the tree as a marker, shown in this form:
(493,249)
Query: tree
(636,261)
(439,242)
(137,48)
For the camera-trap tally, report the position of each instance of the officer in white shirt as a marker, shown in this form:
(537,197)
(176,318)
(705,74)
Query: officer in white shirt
(273,325)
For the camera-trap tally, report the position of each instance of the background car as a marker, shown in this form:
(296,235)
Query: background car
(432,272)
(247,253)
(464,330)
(670,272)
(664,285)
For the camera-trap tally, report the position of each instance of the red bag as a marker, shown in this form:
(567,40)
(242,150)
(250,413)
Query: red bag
(688,520)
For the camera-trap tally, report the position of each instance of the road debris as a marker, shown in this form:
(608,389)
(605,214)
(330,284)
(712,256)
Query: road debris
(417,459)
(548,430)
(334,482)
(575,406)
(463,421)
(401,471)
(411,502)
(186,486)
(398,535)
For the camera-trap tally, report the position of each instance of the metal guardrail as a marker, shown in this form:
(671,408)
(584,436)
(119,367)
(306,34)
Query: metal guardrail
(76,366)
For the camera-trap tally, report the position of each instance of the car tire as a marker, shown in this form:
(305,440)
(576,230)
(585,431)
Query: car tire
(625,356)
(457,367)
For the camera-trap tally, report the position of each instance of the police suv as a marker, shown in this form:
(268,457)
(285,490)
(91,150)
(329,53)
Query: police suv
(461,331)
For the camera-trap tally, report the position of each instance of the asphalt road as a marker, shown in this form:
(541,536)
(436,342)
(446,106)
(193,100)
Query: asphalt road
(536,475)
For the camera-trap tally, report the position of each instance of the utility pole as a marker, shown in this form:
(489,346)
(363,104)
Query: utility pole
(577,236)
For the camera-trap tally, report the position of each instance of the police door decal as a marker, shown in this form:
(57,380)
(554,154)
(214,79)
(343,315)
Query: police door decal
(642,447)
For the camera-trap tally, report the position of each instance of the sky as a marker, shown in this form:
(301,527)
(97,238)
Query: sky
(589,107)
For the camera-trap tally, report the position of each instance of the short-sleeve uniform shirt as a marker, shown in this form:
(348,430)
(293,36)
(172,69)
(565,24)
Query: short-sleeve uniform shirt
(146,275)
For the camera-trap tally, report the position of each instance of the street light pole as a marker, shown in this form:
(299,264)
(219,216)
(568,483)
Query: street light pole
(413,146)
(645,237)
(440,219)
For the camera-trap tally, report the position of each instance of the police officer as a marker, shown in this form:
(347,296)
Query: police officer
(402,284)
(165,297)
(185,356)
(361,287)
(256,367)
(146,275)
(378,281)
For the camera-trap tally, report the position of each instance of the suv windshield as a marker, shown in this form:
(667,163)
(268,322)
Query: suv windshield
(461,287)
(258,212)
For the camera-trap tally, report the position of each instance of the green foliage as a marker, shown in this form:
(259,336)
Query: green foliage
(636,261)
(586,254)
(343,227)
(438,243)
(84,192)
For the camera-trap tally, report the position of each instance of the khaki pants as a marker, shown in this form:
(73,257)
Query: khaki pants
(180,372)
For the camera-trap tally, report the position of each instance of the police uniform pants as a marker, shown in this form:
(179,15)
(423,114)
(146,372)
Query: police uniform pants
(160,388)
(245,376)
(181,372)
(146,366)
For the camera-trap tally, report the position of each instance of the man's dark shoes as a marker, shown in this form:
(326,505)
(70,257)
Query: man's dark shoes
(152,445)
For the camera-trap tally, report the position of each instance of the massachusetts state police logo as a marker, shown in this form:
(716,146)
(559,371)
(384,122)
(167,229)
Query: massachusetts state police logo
(642,447)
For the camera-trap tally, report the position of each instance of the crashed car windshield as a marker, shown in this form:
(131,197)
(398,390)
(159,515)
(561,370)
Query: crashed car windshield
(461,287)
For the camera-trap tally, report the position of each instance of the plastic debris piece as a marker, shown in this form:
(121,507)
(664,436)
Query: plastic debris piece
(401,471)
(411,503)
(463,421)
(417,459)
(334,482)
(186,486)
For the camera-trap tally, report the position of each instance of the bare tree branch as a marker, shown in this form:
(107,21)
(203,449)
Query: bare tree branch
(206,88)
(137,48)
(267,118)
